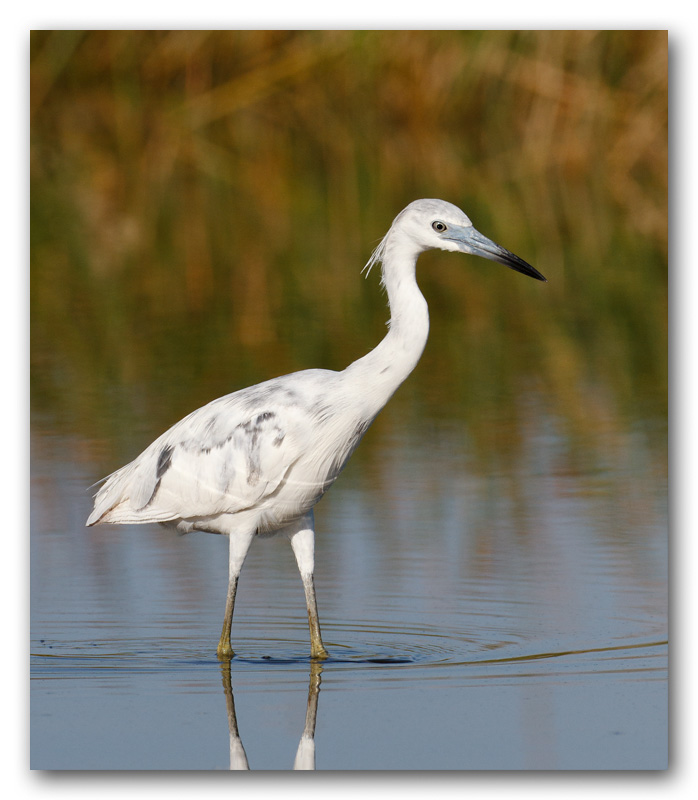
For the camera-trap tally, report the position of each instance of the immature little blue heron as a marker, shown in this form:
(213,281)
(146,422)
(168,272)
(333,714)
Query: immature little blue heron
(255,462)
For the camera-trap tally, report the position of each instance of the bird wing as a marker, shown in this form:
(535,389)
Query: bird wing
(222,458)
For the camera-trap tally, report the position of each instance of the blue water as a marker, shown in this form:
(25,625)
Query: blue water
(502,620)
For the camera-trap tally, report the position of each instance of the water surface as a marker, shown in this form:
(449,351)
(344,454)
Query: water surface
(513,621)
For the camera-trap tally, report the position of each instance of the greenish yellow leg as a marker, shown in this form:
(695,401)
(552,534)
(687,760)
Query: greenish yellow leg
(225,650)
(302,537)
(317,648)
(239,544)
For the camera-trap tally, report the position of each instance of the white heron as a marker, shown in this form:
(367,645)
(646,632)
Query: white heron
(255,462)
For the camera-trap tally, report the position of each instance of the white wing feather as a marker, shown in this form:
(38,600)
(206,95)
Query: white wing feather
(221,459)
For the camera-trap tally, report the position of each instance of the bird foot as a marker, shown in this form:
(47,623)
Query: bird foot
(225,651)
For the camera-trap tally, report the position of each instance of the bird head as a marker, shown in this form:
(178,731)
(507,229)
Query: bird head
(436,224)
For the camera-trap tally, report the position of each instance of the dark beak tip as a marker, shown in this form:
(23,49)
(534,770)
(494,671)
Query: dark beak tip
(532,272)
(529,271)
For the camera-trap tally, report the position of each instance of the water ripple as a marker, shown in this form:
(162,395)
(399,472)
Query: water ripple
(399,656)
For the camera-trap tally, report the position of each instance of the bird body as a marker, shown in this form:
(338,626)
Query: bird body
(255,462)
(261,457)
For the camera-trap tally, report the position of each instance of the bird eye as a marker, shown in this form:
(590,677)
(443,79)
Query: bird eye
(439,227)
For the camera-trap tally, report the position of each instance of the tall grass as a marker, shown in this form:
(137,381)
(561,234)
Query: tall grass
(202,203)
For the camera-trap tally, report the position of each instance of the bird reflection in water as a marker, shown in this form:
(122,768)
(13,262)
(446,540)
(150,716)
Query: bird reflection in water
(305,755)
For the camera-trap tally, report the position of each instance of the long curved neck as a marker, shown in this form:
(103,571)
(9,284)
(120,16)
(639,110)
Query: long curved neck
(380,372)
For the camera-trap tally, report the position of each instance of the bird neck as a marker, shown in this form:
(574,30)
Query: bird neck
(380,372)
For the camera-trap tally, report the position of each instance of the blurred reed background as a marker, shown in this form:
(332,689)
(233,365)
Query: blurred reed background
(202,203)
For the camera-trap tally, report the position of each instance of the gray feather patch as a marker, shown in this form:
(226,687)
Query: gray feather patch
(164,461)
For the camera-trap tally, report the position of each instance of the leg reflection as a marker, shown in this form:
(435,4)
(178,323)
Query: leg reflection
(238,757)
(305,755)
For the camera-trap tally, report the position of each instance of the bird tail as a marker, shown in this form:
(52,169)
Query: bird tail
(105,499)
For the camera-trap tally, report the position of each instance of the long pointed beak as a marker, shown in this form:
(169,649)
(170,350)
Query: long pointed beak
(472,241)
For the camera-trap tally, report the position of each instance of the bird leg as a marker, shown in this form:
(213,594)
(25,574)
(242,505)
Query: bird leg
(239,545)
(302,537)
(317,648)
(225,650)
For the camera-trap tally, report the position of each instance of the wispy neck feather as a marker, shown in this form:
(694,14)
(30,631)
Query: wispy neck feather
(376,258)
(397,255)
